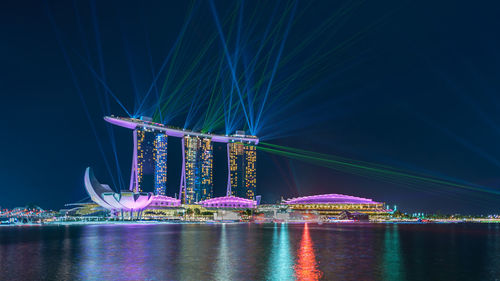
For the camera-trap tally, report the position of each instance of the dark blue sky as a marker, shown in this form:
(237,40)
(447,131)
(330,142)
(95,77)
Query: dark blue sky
(403,83)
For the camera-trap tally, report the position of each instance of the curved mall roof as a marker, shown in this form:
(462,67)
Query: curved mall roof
(165,201)
(132,123)
(329,199)
(228,202)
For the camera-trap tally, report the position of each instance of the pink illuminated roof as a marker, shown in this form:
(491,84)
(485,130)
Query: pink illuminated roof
(162,198)
(166,201)
(329,199)
(228,201)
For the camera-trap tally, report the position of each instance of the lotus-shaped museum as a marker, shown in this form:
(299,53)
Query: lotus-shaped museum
(107,198)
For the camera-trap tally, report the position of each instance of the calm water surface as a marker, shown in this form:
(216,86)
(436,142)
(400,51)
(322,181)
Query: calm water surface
(251,252)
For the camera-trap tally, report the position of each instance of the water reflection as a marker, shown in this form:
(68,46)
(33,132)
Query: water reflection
(224,267)
(391,260)
(106,252)
(251,252)
(281,260)
(64,268)
(494,251)
(135,265)
(307,267)
(89,264)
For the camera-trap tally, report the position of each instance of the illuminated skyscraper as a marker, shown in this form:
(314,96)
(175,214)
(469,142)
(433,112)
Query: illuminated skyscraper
(191,172)
(250,170)
(149,160)
(243,174)
(206,169)
(149,169)
(236,168)
(198,161)
(160,151)
(139,137)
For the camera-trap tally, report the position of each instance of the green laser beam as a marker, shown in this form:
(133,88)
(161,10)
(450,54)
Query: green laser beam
(362,166)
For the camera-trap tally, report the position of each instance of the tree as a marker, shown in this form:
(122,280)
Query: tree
(197,212)
(189,211)
(398,214)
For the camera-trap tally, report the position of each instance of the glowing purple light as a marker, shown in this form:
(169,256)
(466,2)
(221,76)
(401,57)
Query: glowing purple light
(127,200)
(106,198)
(165,201)
(228,202)
(329,199)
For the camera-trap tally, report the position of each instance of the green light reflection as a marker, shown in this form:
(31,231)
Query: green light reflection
(392,260)
(281,260)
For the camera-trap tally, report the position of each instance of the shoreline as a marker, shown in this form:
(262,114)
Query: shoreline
(479,221)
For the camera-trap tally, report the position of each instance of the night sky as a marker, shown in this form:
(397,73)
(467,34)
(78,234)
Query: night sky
(408,84)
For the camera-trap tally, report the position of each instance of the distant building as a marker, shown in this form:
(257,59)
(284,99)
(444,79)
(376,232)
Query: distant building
(336,204)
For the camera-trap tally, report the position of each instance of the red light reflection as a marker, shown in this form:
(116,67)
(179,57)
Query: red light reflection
(306,267)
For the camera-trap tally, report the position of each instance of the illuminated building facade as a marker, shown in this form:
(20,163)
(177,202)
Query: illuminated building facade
(335,204)
(139,141)
(235,151)
(191,169)
(243,173)
(250,159)
(160,151)
(198,162)
(206,169)
(229,202)
(149,162)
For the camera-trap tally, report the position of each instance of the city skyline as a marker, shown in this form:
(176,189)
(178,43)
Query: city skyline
(351,81)
(250,140)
